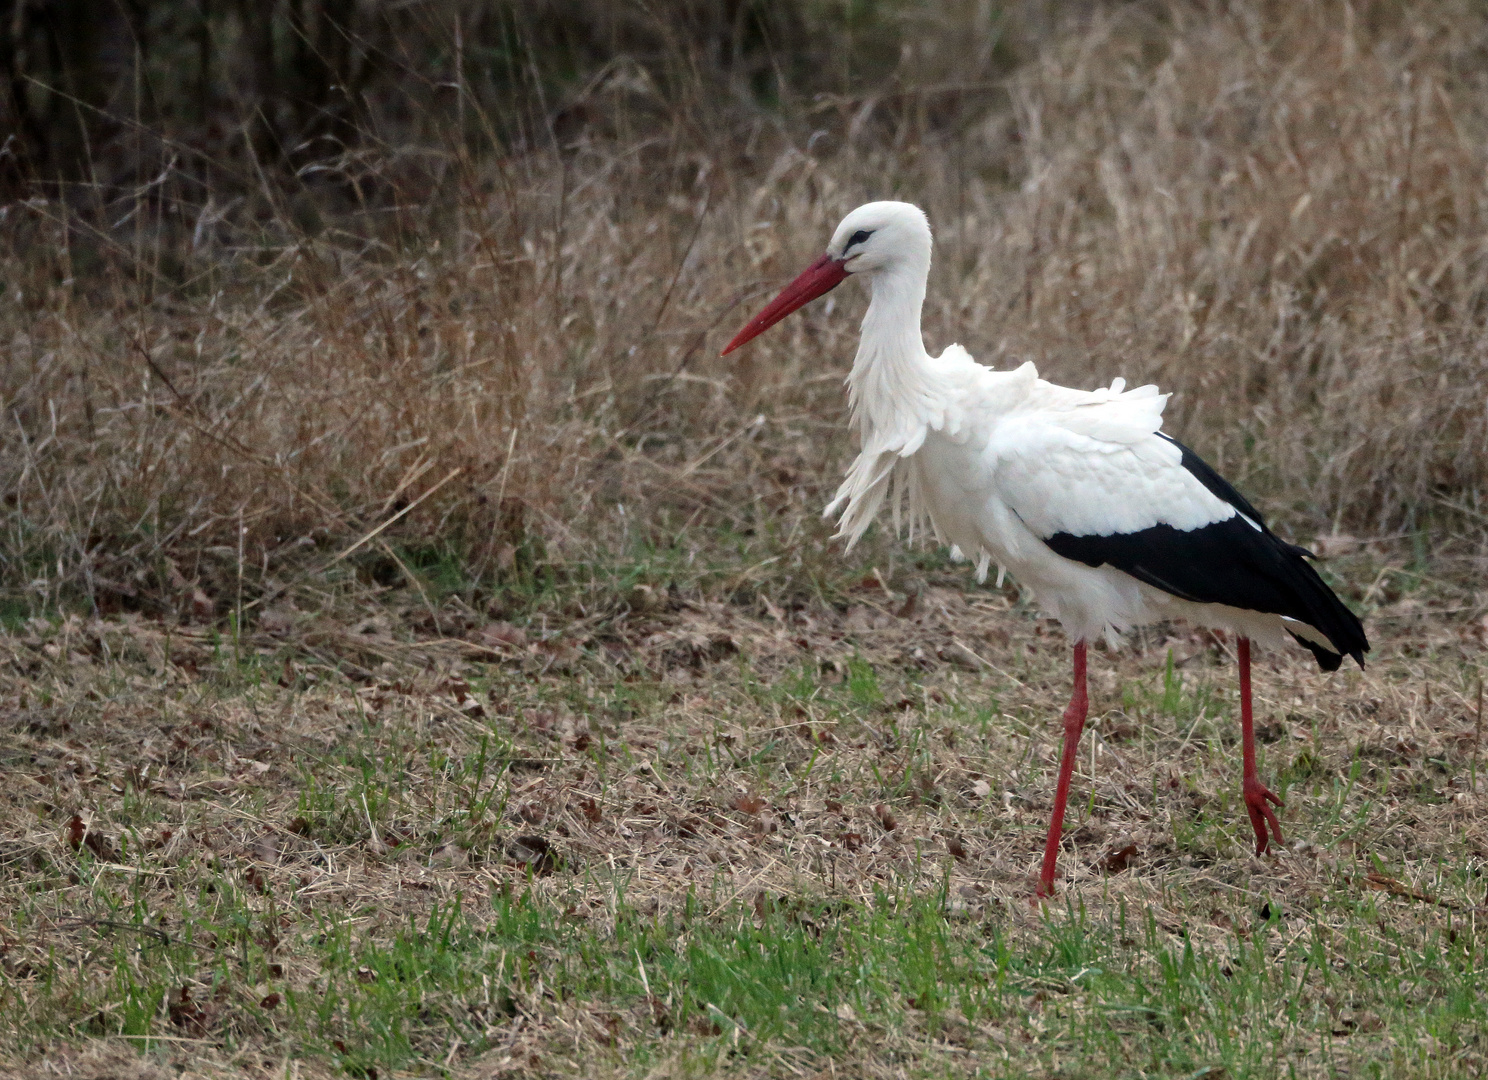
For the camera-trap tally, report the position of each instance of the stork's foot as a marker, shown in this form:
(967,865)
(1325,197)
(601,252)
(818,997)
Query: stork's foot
(1258,801)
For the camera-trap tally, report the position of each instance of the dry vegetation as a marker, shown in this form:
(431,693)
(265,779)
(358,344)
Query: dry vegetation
(1277,213)
(703,840)
(423,654)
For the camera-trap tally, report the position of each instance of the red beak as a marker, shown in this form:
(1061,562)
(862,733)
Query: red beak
(819,278)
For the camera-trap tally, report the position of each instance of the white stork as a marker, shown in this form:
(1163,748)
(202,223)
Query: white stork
(1109,522)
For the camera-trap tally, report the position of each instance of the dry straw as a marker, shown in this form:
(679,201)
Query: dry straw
(1274,210)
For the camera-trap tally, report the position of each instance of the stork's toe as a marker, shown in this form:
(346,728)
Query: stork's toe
(1258,801)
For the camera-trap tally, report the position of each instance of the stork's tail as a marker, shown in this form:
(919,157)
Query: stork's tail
(1325,613)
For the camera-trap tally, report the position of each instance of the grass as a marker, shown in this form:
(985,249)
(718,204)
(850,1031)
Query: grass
(421,656)
(503,366)
(706,843)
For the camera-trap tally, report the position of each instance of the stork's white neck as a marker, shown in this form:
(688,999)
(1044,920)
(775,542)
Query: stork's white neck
(891,377)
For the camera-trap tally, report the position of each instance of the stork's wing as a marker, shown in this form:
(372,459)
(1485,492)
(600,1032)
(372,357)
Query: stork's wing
(1098,490)
(1099,483)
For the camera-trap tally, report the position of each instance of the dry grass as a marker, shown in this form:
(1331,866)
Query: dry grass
(338,557)
(261,848)
(1276,212)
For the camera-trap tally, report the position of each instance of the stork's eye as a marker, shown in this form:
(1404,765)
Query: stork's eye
(857,238)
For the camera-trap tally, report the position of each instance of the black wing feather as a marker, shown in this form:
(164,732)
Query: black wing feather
(1228,562)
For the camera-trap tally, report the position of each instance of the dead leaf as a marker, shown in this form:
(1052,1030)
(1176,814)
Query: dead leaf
(749,803)
(195,1019)
(533,852)
(956,847)
(80,835)
(1384,883)
(1113,862)
(563,655)
(886,818)
(763,905)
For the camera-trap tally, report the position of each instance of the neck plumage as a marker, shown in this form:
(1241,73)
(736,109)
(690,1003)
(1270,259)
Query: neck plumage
(894,393)
(891,383)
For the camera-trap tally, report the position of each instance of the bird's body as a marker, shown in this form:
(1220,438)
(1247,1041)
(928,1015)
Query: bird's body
(1068,490)
(1109,522)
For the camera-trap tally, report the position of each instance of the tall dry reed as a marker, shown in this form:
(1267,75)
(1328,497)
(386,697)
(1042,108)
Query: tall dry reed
(1274,210)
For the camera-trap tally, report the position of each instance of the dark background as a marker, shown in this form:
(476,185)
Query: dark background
(221,96)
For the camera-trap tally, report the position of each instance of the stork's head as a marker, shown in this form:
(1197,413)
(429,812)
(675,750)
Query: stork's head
(881,235)
(877,237)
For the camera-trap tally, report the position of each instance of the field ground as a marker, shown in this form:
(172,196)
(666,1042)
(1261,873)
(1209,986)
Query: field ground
(421,653)
(678,836)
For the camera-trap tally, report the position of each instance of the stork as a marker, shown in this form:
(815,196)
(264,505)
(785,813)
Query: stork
(1109,522)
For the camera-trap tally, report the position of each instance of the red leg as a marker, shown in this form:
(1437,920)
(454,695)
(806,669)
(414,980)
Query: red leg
(1074,723)
(1256,793)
